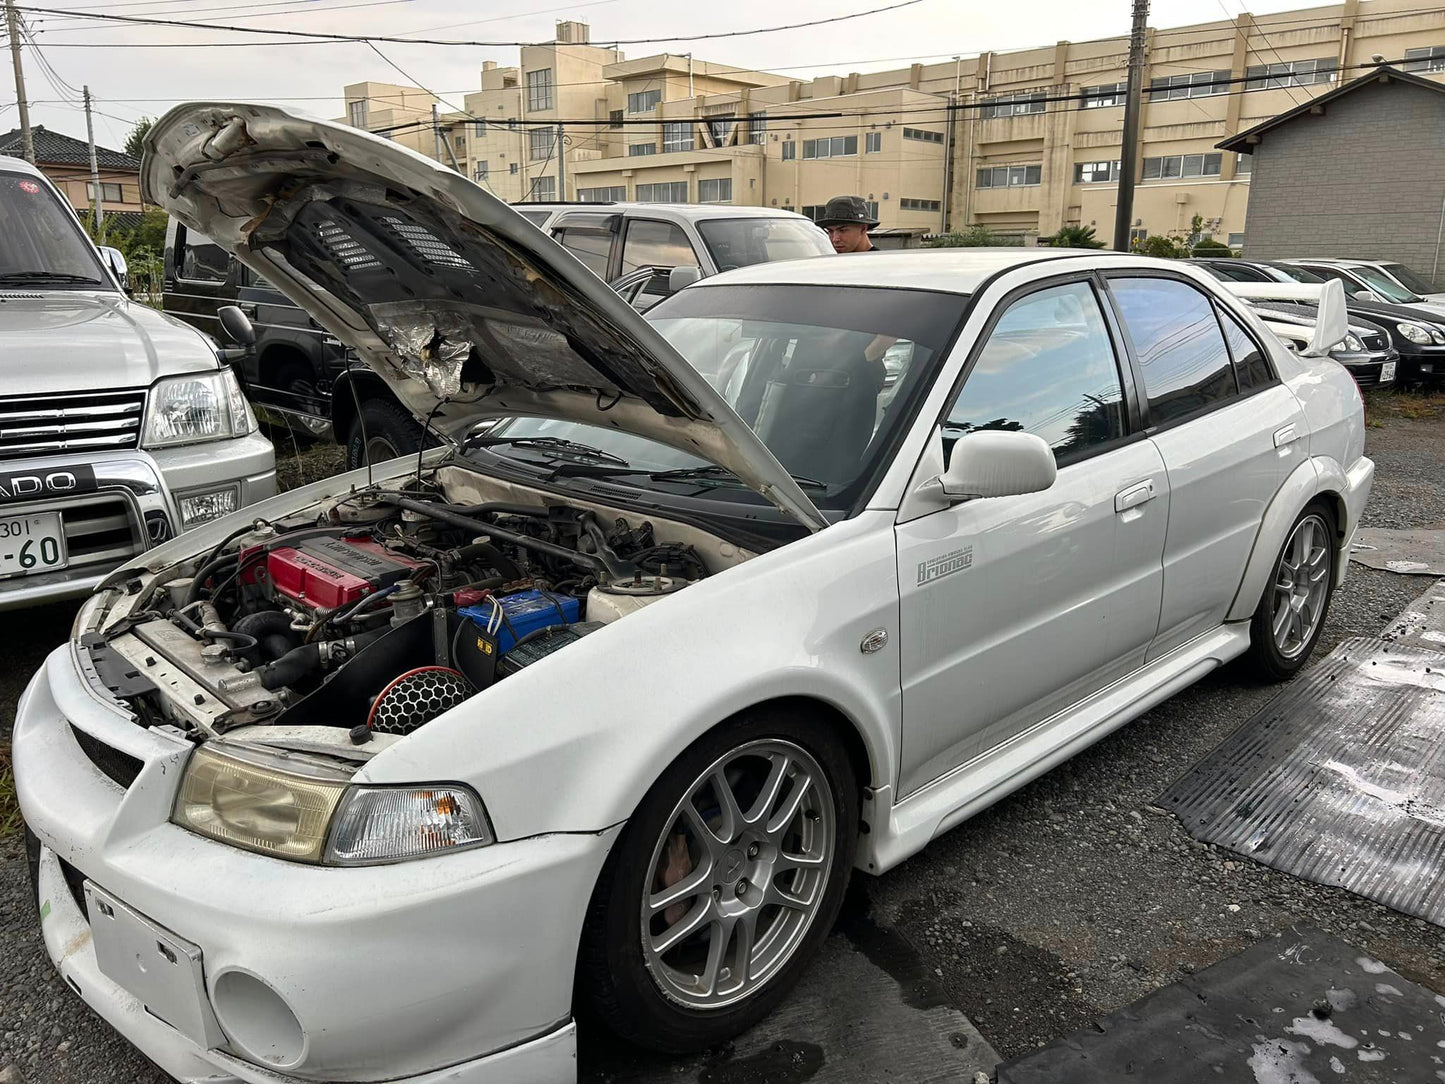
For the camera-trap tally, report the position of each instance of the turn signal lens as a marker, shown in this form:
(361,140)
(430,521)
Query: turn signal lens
(390,824)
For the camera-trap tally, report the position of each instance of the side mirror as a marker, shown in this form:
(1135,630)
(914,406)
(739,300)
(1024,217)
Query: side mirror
(1332,321)
(680,277)
(236,325)
(995,463)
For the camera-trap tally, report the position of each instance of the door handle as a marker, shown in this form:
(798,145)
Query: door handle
(1285,435)
(1134,496)
(248,307)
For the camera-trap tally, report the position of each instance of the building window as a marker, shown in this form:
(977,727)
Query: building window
(614,118)
(1103,95)
(108,192)
(356,114)
(663,192)
(722,128)
(459,143)
(539,89)
(1428,58)
(1243,165)
(872,142)
(1095,172)
(1236,240)
(717,190)
(1009,176)
(1182,165)
(479,128)
(758,127)
(544,189)
(1294,73)
(609,194)
(923,135)
(512,168)
(641,101)
(816,211)
(1013,105)
(906,204)
(677,136)
(635,150)
(1192,85)
(480,170)
(790,150)
(542,141)
(835,147)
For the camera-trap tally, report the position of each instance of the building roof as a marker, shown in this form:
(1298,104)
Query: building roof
(59,149)
(1246,140)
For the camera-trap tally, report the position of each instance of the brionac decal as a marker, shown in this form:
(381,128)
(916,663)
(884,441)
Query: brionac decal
(935,568)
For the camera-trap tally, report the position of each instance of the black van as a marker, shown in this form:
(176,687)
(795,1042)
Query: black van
(298,370)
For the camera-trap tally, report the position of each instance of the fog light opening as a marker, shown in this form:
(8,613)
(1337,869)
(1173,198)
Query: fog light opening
(198,508)
(257,1020)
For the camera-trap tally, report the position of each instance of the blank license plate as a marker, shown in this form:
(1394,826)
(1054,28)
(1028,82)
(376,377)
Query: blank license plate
(1387,372)
(33,543)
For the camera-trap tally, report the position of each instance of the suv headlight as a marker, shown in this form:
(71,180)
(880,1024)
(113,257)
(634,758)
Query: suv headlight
(290,807)
(197,407)
(1415,333)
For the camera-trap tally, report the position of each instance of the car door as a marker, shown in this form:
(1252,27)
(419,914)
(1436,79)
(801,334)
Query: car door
(1228,432)
(201,278)
(1014,608)
(288,367)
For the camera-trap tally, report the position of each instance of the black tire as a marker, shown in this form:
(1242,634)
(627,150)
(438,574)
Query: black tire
(381,425)
(1269,659)
(614,983)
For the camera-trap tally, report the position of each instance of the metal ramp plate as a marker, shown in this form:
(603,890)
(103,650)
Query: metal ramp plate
(1340,779)
(1411,552)
(1299,1008)
(1423,621)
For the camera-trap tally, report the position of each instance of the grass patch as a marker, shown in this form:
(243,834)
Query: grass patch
(9,806)
(1389,404)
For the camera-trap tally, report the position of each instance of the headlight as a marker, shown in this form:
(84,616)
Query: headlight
(388,824)
(1414,333)
(288,808)
(1436,332)
(1353,345)
(197,407)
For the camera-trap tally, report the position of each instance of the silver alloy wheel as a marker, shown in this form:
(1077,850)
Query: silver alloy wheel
(738,874)
(1301,585)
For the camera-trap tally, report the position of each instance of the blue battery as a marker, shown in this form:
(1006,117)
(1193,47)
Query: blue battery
(523,613)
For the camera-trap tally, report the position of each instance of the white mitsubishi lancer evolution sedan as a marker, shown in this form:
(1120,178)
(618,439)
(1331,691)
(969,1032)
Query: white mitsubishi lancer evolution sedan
(593,708)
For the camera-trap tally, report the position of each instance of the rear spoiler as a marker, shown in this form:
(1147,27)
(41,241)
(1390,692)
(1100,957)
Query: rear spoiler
(1331,322)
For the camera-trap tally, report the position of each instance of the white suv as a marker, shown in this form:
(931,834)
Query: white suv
(119,426)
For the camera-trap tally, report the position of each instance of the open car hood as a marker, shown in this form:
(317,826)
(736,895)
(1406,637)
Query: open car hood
(465,309)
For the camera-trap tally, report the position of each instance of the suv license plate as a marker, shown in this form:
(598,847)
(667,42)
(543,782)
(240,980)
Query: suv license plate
(33,543)
(1387,372)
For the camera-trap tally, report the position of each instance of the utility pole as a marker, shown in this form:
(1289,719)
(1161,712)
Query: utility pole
(12,26)
(561,165)
(436,133)
(98,214)
(1129,152)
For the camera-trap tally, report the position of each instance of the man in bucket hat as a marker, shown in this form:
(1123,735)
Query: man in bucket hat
(847,222)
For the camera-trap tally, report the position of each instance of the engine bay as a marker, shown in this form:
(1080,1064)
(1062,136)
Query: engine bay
(371,614)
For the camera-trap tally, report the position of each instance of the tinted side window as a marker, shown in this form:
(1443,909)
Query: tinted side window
(1047,368)
(590,246)
(1251,368)
(202,260)
(1181,350)
(656,244)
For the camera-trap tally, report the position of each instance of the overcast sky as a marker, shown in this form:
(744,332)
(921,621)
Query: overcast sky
(128,79)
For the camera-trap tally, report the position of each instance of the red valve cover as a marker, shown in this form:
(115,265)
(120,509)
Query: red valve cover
(324,573)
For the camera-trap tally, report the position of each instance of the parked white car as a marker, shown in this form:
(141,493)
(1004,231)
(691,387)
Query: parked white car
(385,778)
(1377,280)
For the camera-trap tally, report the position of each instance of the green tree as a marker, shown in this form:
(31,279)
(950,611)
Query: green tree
(1210,247)
(1075,236)
(972,237)
(134,143)
(1165,247)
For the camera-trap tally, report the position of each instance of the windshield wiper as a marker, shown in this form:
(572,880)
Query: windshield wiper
(47,276)
(555,444)
(712,471)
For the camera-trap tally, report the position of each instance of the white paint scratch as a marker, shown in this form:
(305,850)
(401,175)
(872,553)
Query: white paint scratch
(1323,1032)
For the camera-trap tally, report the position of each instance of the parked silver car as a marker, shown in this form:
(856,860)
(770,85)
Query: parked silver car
(119,426)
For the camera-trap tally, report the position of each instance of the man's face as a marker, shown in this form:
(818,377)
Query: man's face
(850,237)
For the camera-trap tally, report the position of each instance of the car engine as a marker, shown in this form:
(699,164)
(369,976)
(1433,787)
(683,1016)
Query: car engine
(382,613)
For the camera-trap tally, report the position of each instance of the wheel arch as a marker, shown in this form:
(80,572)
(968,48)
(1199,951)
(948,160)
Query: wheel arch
(352,388)
(274,358)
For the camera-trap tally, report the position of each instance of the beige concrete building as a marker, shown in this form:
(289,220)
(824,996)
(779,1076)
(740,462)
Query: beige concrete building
(1032,144)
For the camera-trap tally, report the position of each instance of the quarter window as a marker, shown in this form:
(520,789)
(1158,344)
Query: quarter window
(591,246)
(656,244)
(1048,368)
(1182,356)
(1250,367)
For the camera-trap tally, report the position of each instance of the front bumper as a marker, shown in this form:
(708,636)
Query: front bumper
(134,505)
(457,968)
(1368,368)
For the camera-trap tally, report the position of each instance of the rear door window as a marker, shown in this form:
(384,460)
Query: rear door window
(1251,368)
(1181,351)
(592,246)
(202,260)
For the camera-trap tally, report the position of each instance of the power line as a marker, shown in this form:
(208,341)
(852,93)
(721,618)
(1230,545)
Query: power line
(143,20)
(289,5)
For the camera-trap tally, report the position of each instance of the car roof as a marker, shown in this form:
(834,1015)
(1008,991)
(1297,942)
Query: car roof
(691,212)
(18,165)
(1333,261)
(945,270)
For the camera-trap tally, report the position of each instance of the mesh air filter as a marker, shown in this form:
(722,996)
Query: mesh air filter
(416,697)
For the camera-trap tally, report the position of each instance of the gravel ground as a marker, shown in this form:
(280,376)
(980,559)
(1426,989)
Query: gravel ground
(1067,900)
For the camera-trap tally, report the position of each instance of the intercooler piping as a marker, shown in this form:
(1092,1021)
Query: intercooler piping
(480,526)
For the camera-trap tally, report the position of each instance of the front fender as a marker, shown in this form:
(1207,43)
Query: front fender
(573,742)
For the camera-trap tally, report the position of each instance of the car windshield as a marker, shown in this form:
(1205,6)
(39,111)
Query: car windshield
(1384,285)
(738,242)
(1289,271)
(39,240)
(1409,279)
(824,376)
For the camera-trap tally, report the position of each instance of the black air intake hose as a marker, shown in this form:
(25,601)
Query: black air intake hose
(273,632)
(291,667)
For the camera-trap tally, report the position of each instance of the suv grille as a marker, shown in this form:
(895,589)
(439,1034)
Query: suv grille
(120,768)
(43,424)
